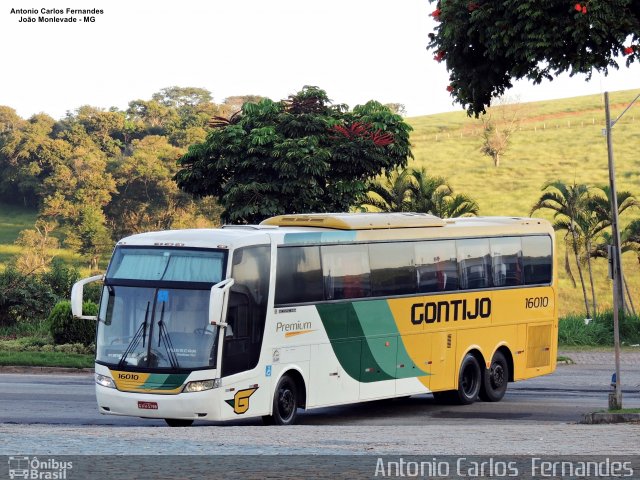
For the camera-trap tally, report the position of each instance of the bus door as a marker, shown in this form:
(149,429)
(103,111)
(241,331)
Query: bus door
(245,387)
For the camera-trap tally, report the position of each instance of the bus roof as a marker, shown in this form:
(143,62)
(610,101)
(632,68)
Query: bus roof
(338,228)
(357,221)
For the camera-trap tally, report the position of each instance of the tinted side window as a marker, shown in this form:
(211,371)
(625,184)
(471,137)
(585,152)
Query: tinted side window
(298,275)
(537,259)
(506,257)
(346,271)
(392,269)
(436,266)
(474,263)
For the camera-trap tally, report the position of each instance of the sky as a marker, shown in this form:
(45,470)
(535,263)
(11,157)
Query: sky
(356,50)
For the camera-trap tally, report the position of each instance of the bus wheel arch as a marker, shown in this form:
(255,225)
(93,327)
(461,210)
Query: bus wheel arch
(506,351)
(290,389)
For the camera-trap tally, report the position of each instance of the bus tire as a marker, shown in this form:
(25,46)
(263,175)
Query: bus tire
(285,402)
(178,422)
(469,381)
(495,379)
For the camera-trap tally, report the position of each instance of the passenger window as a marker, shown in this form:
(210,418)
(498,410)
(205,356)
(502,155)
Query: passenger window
(346,271)
(299,275)
(436,266)
(392,269)
(474,263)
(506,257)
(537,259)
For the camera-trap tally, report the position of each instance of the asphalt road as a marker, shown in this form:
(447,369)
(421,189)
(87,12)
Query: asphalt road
(564,396)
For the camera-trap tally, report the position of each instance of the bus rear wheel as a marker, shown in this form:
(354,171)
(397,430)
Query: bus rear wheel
(178,422)
(285,403)
(469,381)
(495,379)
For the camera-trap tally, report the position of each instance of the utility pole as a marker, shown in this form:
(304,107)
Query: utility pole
(616,257)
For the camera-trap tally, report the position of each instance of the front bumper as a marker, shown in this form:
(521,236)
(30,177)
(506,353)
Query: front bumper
(197,405)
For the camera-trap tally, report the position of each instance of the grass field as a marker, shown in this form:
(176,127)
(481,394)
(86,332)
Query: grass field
(557,140)
(47,359)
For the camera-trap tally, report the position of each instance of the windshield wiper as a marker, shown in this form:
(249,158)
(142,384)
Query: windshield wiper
(141,332)
(164,337)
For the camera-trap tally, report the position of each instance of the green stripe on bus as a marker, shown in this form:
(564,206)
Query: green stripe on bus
(366,341)
(161,381)
(384,339)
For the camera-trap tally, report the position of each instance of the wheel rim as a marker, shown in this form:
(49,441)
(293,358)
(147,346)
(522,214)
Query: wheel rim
(497,376)
(286,403)
(469,381)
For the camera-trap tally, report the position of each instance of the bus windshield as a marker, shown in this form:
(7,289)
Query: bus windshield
(154,309)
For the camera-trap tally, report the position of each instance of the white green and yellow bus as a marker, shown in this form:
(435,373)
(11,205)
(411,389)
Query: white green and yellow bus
(308,311)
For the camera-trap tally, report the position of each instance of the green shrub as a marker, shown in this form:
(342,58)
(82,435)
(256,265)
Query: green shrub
(74,348)
(599,332)
(24,299)
(60,278)
(65,329)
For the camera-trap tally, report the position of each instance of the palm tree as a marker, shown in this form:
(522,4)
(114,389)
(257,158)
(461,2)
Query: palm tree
(434,195)
(600,208)
(568,202)
(631,238)
(411,190)
(627,244)
(392,193)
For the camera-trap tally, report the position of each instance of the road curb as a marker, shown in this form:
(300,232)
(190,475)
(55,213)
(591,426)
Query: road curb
(44,370)
(605,417)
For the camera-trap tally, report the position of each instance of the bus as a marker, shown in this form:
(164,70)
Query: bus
(317,310)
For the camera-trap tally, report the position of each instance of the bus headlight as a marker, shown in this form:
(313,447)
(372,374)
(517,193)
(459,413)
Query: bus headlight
(201,385)
(104,381)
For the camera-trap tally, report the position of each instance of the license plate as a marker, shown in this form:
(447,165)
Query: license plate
(148,405)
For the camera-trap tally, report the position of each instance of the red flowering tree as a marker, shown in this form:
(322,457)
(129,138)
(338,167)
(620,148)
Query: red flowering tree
(298,155)
(487,44)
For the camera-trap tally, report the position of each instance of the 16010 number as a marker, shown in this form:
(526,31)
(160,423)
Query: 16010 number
(536,302)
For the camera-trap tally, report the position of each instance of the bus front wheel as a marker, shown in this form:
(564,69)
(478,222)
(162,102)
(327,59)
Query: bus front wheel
(495,379)
(178,422)
(285,403)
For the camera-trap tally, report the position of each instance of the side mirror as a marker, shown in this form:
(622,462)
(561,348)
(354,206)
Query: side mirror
(76,297)
(218,302)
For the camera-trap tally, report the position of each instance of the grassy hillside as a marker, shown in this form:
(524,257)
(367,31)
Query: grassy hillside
(559,139)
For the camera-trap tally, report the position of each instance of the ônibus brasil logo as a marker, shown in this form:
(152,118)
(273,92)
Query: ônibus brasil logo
(34,468)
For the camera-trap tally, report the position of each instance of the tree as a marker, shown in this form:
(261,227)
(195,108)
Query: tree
(411,190)
(398,108)
(498,125)
(78,190)
(298,155)
(599,208)
(234,104)
(104,128)
(434,195)
(147,198)
(392,193)
(36,246)
(568,203)
(89,235)
(488,44)
(29,152)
